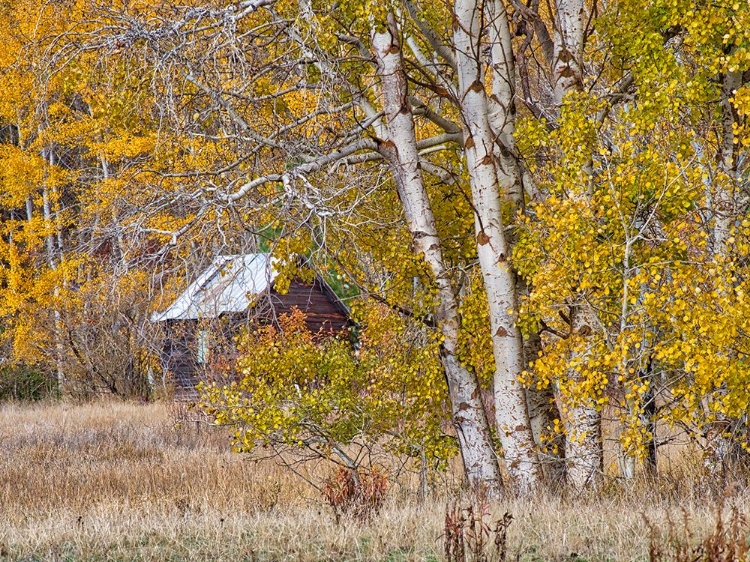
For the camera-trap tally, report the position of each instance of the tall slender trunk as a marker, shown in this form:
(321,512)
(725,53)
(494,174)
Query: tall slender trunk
(567,47)
(400,149)
(53,237)
(650,463)
(582,422)
(501,104)
(543,411)
(724,198)
(499,281)
(726,207)
(502,118)
(119,257)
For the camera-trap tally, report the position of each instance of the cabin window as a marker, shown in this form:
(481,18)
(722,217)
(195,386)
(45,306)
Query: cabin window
(201,352)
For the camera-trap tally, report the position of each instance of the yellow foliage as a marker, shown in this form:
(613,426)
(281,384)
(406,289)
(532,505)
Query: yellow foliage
(308,392)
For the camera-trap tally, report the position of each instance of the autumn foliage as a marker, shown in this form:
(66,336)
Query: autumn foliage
(294,391)
(359,494)
(537,212)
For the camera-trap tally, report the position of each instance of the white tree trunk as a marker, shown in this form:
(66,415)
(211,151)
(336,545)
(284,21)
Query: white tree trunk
(582,421)
(480,461)
(510,397)
(502,110)
(120,259)
(583,446)
(726,206)
(568,47)
(502,118)
(53,237)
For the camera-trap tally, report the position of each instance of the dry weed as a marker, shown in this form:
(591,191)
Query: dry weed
(357,494)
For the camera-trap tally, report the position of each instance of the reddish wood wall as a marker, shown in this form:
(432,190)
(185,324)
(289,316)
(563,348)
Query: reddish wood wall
(323,312)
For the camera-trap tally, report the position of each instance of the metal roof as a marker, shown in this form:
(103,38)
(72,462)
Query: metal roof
(230,284)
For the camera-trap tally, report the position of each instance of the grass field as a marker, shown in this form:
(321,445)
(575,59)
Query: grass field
(118,481)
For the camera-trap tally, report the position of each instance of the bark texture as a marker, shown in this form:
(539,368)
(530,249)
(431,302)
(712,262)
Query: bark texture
(512,415)
(543,411)
(502,109)
(726,205)
(502,118)
(583,422)
(583,446)
(570,25)
(400,149)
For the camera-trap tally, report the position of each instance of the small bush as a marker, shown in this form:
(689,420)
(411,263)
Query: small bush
(359,494)
(24,382)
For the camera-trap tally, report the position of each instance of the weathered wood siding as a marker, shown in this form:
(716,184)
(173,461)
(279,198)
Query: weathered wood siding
(322,309)
(179,358)
(324,314)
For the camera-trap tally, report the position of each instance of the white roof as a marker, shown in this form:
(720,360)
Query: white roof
(230,284)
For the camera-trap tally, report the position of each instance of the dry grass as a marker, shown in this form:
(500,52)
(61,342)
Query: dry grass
(117,481)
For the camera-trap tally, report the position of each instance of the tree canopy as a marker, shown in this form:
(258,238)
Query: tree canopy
(550,199)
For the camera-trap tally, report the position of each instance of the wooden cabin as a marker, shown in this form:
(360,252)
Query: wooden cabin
(235,292)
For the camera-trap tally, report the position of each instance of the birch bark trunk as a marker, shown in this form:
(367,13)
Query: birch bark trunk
(53,237)
(400,149)
(726,207)
(512,415)
(502,118)
(568,47)
(582,422)
(502,109)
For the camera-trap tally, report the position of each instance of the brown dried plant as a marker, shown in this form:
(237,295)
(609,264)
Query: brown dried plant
(356,493)
(472,536)
(726,542)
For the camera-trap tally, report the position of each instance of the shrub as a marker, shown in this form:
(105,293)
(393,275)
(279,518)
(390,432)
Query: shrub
(471,535)
(25,382)
(355,493)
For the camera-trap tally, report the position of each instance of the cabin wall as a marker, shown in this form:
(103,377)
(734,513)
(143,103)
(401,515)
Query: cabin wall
(179,358)
(182,346)
(322,313)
